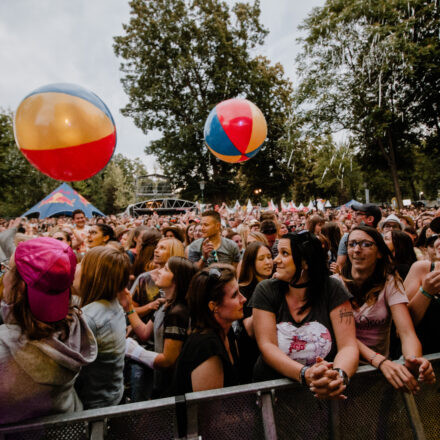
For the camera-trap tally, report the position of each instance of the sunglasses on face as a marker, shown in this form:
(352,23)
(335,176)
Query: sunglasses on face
(362,243)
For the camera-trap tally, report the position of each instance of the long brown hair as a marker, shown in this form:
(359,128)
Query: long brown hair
(207,286)
(150,238)
(369,291)
(31,327)
(248,272)
(105,272)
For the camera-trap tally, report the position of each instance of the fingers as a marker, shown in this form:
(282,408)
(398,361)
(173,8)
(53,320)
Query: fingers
(399,377)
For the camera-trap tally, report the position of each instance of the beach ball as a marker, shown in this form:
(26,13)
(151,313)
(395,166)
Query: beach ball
(65,131)
(235,130)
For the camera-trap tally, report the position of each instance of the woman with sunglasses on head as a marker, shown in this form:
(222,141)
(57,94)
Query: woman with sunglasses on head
(379,298)
(209,357)
(303,320)
(168,326)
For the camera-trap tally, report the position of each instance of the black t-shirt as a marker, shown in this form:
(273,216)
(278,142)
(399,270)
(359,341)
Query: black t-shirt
(301,341)
(198,348)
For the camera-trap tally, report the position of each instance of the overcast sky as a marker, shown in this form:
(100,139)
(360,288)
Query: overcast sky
(49,41)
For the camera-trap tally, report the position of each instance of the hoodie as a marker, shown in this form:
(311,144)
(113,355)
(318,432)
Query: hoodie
(38,376)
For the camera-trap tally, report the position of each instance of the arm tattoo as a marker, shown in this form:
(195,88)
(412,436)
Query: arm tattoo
(346,315)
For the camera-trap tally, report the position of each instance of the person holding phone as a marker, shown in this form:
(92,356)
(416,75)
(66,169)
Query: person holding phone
(212,247)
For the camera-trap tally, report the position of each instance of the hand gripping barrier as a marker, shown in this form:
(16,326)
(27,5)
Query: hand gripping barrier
(278,409)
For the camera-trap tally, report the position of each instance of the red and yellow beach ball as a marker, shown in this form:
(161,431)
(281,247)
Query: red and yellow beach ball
(65,131)
(235,130)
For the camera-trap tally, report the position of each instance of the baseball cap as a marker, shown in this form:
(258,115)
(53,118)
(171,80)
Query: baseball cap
(47,266)
(369,209)
(435,225)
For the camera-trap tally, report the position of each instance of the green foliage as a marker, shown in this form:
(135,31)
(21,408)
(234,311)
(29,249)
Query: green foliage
(181,58)
(370,67)
(22,186)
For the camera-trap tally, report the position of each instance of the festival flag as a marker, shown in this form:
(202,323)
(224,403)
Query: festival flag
(249,207)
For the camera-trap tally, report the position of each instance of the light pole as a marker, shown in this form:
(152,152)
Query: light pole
(202,187)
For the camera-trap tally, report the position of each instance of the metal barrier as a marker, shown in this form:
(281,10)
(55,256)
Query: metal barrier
(270,410)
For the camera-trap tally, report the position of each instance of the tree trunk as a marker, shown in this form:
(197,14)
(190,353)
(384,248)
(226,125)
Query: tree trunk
(391,160)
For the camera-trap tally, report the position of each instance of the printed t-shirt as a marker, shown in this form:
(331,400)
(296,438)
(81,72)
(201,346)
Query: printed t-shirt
(226,253)
(301,341)
(373,322)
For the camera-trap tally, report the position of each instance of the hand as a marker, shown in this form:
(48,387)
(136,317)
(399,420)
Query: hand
(399,377)
(124,298)
(431,282)
(207,248)
(334,267)
(157,303)
(325,383)
(421,368)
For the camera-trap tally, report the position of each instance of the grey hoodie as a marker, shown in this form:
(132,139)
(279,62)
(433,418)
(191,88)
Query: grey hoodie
(37,377)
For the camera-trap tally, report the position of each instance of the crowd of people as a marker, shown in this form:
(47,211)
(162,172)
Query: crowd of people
(106,311)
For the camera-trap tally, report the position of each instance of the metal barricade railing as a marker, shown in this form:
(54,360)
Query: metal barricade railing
(278,409)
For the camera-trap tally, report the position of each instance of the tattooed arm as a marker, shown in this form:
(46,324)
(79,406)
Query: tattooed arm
(344,328)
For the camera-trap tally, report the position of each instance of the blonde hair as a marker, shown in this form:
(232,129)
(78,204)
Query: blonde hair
(105,272)
(175,247)
(258,236)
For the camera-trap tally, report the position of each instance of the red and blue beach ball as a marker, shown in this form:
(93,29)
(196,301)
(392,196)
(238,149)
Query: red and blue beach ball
(235,130)
(65,131)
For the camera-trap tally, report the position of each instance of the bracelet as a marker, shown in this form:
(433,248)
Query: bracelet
(428,295)
(302,375)
(381,362)
(372,358)
(424,292)
(129,312)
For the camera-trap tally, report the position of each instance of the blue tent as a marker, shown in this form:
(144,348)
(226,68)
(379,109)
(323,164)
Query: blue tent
(62,201)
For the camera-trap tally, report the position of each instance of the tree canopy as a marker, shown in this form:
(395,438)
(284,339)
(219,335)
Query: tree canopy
(372,67)
(181,58)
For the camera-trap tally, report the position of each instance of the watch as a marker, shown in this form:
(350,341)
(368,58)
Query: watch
(302,375)
(343,375)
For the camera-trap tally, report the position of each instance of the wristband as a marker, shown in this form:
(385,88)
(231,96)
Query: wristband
(129,312)
(302,375)
(381,362)
(424,292)
(428,295)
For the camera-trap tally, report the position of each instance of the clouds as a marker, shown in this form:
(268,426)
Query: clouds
(49,41)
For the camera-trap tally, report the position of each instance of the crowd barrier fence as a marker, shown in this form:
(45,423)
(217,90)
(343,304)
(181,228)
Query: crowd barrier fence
(278,409)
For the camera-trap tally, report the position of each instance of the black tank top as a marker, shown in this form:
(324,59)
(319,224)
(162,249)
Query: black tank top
(428,329)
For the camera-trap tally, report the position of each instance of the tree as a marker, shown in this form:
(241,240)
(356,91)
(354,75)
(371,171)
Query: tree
(180,58)
(22,185)
(362,67)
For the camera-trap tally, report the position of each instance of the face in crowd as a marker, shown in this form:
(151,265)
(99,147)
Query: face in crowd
(80,220)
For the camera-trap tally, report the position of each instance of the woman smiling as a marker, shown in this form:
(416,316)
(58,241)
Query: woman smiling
(303,320)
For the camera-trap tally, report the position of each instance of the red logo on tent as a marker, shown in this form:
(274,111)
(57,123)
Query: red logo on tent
(57,198)
(83,200)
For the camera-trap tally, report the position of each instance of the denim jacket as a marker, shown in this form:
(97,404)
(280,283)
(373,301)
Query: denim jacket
(101,383)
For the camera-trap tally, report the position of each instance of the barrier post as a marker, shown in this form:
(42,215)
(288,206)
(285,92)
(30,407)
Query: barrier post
(266,399)
(414,416)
